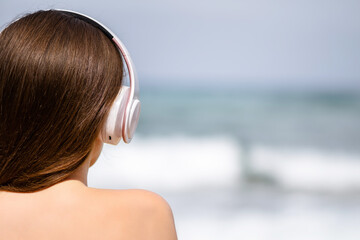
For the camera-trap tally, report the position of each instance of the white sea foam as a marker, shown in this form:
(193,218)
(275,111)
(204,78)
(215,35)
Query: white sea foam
(308,169)
(183,163)
(175,163)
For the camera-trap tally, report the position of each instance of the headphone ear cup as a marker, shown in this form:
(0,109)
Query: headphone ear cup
(131,121)
(113,127)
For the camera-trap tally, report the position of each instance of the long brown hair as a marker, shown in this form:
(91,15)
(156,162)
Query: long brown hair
(58,78)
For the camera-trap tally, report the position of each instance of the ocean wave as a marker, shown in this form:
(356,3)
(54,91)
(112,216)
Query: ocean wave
(178,163)
(307,169)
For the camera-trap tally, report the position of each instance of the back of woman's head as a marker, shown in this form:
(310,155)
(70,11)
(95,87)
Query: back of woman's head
(58,78)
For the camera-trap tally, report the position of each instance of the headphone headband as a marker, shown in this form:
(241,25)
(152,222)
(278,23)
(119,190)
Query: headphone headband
(124,52)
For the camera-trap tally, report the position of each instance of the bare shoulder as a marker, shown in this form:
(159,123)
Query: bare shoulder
(139,213)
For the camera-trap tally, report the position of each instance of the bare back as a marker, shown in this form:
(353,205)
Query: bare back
(70,210)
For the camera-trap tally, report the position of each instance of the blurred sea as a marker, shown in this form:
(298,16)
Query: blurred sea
(245,164)
(324,120)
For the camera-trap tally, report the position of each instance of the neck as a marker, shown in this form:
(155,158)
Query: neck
(80,174)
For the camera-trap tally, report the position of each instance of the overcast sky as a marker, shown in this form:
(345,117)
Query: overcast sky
(262,42)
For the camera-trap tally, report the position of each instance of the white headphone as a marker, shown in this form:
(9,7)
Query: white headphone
(125,111)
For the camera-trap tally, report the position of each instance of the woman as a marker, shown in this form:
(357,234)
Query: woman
(59,77)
